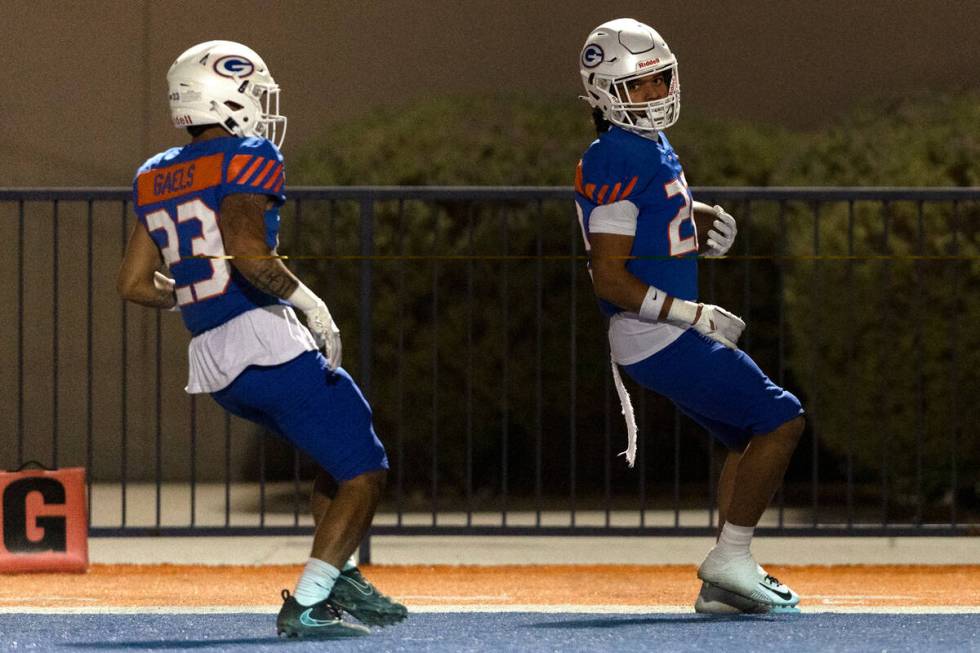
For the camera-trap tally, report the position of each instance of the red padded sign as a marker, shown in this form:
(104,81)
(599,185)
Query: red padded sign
(43,525)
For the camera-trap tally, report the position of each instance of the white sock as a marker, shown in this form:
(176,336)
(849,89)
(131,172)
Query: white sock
(316,583)
(350,564)
(734,541)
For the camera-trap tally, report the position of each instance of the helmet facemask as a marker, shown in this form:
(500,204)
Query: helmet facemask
(270,124)
(619,108)
(258,116)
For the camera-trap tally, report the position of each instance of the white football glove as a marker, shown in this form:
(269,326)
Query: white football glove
(325,333)
(722,236)
(164,283)
(320,322)
(720,325)
(710,320)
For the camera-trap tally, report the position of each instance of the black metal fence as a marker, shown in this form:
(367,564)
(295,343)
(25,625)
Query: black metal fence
(468,321)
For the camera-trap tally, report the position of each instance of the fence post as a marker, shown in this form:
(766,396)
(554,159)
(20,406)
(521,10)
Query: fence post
(366,335)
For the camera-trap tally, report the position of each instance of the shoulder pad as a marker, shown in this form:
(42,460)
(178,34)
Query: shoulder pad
(157,160)
(608,174)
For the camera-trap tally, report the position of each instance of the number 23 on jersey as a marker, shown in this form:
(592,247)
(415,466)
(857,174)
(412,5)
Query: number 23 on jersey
(207,243)
(678,245)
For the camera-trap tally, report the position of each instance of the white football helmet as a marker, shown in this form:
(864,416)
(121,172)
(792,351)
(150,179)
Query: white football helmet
(226,83)
(622,51)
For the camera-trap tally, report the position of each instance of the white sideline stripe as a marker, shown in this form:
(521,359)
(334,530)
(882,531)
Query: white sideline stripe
(535,608)
(860,597)
(450,597)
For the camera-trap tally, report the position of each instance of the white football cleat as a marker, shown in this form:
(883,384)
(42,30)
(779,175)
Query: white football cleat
(742,576)
(715,600)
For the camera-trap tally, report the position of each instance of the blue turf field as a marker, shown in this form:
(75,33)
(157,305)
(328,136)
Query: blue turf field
(482,631)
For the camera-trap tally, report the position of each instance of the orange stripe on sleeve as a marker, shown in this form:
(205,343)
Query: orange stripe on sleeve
(251,171)
(615,192)
(273,178)
(259,178)
(602,193)
(238,162)
(589,190)
(629,188)
(578,179)
(282,180)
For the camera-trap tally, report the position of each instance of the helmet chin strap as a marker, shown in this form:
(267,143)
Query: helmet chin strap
(645,129)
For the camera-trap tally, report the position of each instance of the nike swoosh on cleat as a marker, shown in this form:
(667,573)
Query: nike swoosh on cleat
(366,590)
(786,596)
(307,619)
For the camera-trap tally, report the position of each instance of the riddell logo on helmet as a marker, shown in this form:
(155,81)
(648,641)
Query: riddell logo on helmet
(182,121)
(234,66)
(649,62)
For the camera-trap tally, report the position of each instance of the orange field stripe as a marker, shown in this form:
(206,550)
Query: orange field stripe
(822,587)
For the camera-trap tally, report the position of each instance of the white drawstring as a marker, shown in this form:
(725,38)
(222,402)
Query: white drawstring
(627,409)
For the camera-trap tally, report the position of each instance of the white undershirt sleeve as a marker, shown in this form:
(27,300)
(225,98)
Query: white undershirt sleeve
(616,218)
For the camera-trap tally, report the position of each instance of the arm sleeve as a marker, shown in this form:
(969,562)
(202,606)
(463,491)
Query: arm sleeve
(616,218)
(255,167)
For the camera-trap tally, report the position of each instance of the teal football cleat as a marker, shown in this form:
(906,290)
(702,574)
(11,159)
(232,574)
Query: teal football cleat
(356,595)
(744,577)
(715,600)
(318,621)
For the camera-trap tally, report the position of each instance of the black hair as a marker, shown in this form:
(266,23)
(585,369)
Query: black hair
(197,130)
(601,124)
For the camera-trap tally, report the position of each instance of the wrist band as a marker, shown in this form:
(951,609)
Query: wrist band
(653,302)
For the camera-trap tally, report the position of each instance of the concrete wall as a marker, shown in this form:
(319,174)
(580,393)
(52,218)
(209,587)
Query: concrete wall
(84,97)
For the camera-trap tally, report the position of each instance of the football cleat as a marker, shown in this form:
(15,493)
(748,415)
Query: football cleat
(715,600)
(742,576)
(320,621)
(354,594)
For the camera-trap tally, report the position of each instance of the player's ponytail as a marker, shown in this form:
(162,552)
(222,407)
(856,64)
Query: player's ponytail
(601,124)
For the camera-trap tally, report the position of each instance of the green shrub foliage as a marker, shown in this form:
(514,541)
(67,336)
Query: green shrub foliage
(883,349)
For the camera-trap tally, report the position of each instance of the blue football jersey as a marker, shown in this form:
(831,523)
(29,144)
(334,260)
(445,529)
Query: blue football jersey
(177,195)
(622,166)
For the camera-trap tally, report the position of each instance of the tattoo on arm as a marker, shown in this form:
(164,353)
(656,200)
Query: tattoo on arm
(243,232)
(271,276)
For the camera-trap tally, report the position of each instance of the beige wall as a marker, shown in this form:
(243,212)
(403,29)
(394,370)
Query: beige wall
(84,82)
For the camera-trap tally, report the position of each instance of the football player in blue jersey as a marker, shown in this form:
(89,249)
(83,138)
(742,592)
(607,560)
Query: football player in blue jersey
(638,220)
(209,212)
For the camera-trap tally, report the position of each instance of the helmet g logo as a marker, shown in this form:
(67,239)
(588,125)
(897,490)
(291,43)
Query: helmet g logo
(592,55)
(234,66)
